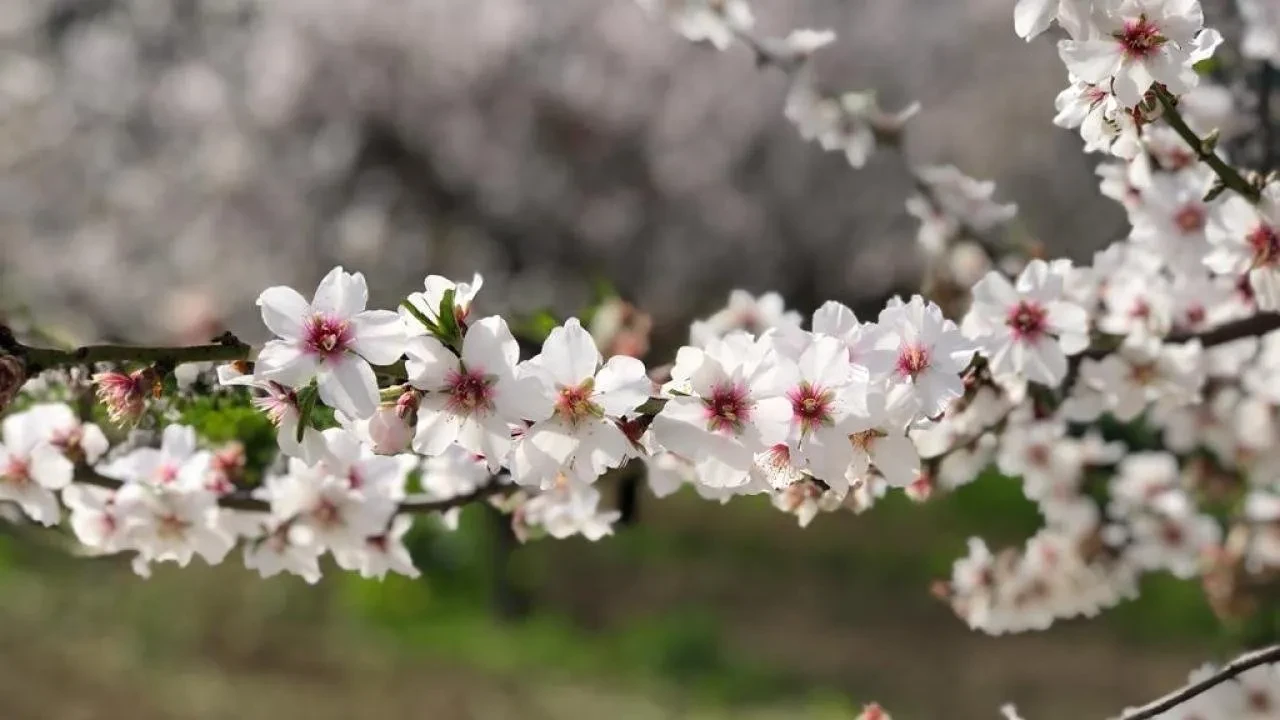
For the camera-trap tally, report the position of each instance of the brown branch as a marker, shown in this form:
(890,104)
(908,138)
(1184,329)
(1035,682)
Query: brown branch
(225,347)
(1229,671)
(243,500)
(1204,148)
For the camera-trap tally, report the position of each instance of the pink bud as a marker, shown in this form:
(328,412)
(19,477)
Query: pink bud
(388,432)
(124,395)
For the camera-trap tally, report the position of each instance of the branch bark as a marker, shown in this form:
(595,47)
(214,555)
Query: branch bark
(224,348)
(1204,150)
(1229,671)
(243,500)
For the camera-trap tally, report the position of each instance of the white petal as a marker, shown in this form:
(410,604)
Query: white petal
(569,354)
(379,336)
(622,386)
(428,362)
(283,310)
(437,427)
(1032,17)
(896,459)
(489,346)
(286,364)
(348,384)
(50,469)
(341,293)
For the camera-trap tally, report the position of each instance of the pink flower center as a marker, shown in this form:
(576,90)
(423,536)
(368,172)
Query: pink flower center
(913,359)
(326,514)
(327,336)
(1195,314)
(171,527)
(470,392)
(727,408)
(1189,219)
(17,471)
(1141,309)
(1266,246)
(811,405)
(1027,320)
(574,403)
(1140,38)
(166,473)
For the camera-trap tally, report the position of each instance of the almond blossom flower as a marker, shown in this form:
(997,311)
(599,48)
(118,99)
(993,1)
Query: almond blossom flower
(172,523)
(450,474)
(825,392)
(1172,220)
(929,352)
(325,509)
(1027,330)
(31,467)
(860,339)
(332,339)
(1143,371)
(715,21)
(878,438)
(581,437)
(95,519)
(1032,17)
(178,462)
(725,404)
(381,553)
(1246,241)
(427,303)
(565,510)
(279,551)
(744,312)
(473,400)
(280,404)
(1132,44)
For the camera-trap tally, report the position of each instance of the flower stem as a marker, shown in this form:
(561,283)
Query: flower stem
(1229,176)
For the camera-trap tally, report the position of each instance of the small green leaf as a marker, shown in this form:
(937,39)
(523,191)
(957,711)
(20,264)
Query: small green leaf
(306,405)
(449,331)
(417,314)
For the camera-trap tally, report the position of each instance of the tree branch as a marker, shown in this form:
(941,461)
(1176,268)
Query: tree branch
(1204,149)
(1229,671)
(243,500)
(225,347)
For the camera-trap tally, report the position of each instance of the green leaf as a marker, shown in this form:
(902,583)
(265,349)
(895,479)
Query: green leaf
(1206,66)
(449,332)
(417,314)
(306,405)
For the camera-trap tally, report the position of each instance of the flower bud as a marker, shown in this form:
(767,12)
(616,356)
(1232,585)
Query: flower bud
(388,432)
(124,395)
(12,376)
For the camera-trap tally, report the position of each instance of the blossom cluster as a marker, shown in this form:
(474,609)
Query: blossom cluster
(1169,332)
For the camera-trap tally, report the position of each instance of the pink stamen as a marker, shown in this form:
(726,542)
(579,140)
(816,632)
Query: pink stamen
(811,406)
(1140,38)
(470,392)
(913,359)
(1266,246)
(727,408)
(327,336)
(1028,320)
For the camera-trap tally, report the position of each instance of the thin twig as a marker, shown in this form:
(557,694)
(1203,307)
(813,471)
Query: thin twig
(1229,671)
(1204,150)
(244,500)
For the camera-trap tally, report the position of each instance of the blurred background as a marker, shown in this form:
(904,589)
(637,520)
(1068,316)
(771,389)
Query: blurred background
(165,160)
